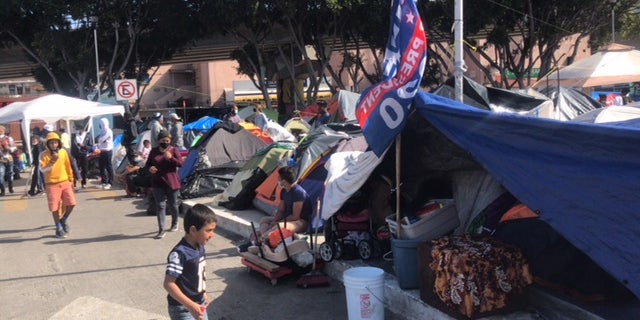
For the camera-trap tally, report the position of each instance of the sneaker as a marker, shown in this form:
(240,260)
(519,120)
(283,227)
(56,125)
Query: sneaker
(103,185)
(160,234)
(65,227)
(60,234)
(107,186)
(38,193)
(174,228)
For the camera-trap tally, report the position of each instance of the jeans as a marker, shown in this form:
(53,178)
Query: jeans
(165,197)
(181,313)
(2,172)
(106,167)
(83,166)
(37,181)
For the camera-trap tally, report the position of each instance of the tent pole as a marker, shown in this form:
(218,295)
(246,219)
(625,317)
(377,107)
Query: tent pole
(398,145)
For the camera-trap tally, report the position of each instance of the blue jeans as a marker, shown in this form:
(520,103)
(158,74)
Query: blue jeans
(182,313)
(165,197)
(2,172)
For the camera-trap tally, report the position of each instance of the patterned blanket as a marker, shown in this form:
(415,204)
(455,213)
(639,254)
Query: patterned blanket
(477,274)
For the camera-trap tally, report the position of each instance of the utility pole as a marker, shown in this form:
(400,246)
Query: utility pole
(613,20)
(94,20)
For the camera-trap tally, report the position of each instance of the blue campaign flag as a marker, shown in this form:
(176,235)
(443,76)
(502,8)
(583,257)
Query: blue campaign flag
(383,108)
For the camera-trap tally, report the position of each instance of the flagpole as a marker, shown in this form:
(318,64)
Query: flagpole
(458,47)
(398,142)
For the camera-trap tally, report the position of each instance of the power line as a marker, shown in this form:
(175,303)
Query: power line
(531,17)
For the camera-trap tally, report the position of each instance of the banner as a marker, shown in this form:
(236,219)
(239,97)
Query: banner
(383,108)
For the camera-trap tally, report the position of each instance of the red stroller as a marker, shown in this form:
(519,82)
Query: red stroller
(347,233)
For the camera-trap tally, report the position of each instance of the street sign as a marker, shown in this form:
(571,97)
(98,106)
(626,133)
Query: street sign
(126,89)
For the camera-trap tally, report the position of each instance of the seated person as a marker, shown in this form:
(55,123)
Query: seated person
(322,117)
(131,175)
(294,211)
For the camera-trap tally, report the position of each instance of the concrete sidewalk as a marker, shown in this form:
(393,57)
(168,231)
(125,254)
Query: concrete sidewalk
(406,303)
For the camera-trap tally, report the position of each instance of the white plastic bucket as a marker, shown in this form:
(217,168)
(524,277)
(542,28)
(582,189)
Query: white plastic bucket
(364,288)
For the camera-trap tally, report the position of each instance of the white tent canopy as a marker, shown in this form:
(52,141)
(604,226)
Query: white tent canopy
(611,114)
(53,108)
(617,64)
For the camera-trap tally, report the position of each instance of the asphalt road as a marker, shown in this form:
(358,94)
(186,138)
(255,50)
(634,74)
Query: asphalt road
(110,267)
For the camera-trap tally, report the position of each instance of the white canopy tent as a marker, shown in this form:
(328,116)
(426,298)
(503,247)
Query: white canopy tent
(611,114)
(614,65)
(53,108)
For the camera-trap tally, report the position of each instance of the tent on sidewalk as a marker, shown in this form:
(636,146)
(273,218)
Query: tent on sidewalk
(611,114)
(216,157)
(569,102)
(311,178)
(241,191)
(614,65)
(279,133)
(253,129)
(497,99)
(54,107)
(192,129)
(314,144)
(267,197)
(586,192)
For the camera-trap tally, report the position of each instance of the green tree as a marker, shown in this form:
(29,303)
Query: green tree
(133,36)
(279,32)
(249,23)
(522,34)
(366,29)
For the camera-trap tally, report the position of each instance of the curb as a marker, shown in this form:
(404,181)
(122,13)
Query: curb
(405,303)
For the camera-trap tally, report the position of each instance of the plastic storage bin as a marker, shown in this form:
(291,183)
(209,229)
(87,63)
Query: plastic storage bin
(432,225)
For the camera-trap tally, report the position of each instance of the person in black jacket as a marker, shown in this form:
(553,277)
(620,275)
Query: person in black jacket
(81,146)
(37,184)
(129,135)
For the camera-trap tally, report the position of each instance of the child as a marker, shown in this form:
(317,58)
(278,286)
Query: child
(55,164)
(6,167)
(146,149)
(185,275)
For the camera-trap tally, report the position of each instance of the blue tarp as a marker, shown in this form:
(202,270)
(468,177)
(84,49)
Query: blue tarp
(203,124)
(199,127)
(583,179)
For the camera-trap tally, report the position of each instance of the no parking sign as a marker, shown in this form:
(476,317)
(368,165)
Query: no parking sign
(126,89)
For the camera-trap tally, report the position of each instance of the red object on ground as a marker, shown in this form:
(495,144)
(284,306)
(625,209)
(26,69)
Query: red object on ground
(273,276)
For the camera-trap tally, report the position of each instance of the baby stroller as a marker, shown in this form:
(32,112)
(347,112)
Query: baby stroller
(350,231)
